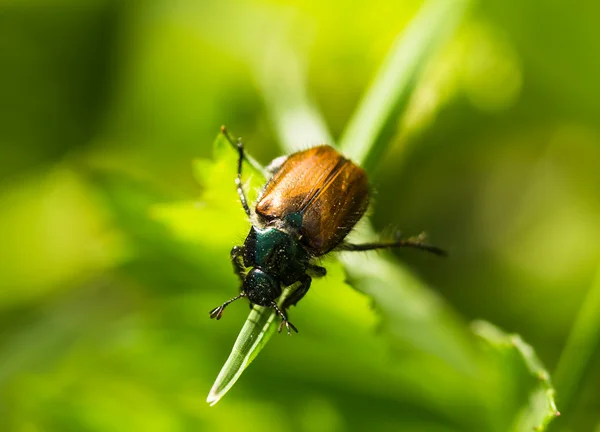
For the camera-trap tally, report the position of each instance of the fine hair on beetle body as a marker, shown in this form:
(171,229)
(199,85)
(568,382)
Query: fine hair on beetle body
(311,202)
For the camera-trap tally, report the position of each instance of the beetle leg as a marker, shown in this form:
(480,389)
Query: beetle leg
(218,311)
(237,259)
(238,180)
(236,256)
(297,295)
(288,325)
(413,242)
(316,270)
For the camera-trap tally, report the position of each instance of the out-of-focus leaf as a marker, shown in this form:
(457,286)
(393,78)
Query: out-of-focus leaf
(414,315)
(53,230)
(518,361)
(582,343)
(373,125)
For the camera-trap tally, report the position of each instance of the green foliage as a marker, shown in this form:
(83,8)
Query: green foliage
(413,317)
(518,360)
(419,327)
(374,123)
(481,129)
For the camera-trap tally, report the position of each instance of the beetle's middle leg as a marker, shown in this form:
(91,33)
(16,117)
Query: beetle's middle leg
(297,295)
(284,319)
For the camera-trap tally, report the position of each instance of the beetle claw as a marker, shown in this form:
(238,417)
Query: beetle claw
(217,312)
(288,325)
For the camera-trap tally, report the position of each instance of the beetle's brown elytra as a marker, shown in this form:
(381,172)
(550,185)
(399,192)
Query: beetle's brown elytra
(330,192)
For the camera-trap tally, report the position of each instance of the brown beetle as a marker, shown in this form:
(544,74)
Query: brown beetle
(307,208)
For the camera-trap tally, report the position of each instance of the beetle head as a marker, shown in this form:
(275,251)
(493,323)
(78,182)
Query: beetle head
(260,287)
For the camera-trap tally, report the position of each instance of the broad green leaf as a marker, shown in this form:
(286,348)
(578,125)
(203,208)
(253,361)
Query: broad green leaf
(518,362)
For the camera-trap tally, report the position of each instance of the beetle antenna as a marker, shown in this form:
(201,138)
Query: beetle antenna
(218,311)
(288,325)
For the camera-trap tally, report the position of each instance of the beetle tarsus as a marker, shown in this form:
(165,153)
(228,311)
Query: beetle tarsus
(217,312)
(288,326)
(284,321)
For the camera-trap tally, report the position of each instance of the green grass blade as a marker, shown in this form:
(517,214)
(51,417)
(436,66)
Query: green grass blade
(583,342)
(281,74)
(255,333)
(373,125)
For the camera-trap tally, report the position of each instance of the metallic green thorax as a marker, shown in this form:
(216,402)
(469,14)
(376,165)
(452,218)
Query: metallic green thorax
(277,253)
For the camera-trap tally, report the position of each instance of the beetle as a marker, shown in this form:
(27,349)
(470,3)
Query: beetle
(312,201)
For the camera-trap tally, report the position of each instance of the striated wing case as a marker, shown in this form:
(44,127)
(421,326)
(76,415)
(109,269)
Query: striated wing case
(330,192)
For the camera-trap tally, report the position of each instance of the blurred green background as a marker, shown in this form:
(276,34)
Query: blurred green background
(104,104)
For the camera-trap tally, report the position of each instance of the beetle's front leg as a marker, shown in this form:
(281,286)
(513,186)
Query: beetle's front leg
(236,255)
(237,259)
(218,311)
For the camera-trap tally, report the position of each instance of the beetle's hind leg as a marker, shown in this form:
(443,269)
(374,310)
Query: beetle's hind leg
(412,242)
(217,312)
